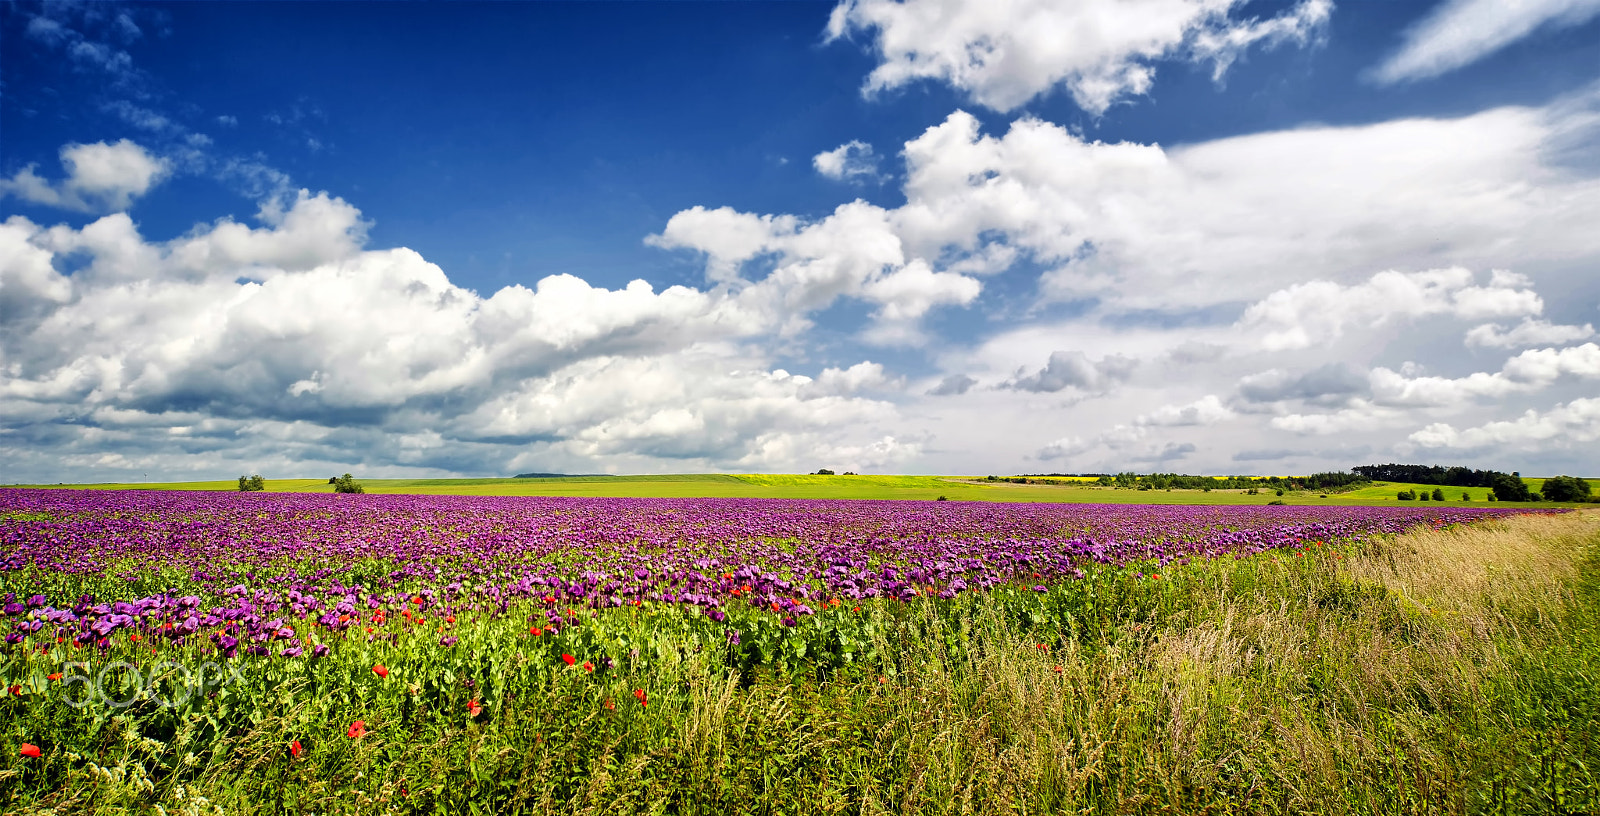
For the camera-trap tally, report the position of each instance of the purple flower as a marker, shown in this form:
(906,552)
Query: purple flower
(447,641)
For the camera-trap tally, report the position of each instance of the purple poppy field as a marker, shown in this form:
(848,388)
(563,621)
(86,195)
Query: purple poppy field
(326,639)
(288,577)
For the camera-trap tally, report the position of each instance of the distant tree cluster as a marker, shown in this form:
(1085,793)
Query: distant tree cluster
(1430,475)
(249,484)
(1423,495)
(1510,487)
(1179,481)
(346,484)
(1566,489)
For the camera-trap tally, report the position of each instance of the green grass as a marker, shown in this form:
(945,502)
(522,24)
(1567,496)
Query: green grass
(809,486)
(1441,672)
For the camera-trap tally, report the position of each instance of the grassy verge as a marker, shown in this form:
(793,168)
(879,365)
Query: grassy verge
(1444,671)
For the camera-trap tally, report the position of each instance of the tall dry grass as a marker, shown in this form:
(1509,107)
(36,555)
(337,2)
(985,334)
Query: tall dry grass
(1338,682)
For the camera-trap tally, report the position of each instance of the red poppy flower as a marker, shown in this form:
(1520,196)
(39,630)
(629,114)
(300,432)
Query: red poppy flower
(450,619)
(134,637)
(56,676)
(358,729)
(535,631)
(569,659)
(1058,670)
(587,666)
(640,696)
(416,599)
(16,691)
(380,670)
(30,750)
(295,750)
(474,708)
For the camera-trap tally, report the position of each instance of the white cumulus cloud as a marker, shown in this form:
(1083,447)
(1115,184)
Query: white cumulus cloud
(1530,332)
(1207,410)
(1319,311)
(1577,421)
(1005,52)
(854,252)
(100,176)
(851,161)
(293,338)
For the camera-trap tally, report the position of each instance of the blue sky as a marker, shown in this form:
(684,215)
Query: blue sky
(1192,235)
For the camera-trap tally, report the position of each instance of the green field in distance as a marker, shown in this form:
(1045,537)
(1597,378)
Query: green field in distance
(808,486)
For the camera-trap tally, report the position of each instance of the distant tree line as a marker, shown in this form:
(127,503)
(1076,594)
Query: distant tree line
(1505,486)
(1179,481)
(1431,475)
(1164,481)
